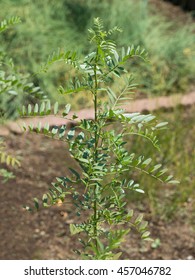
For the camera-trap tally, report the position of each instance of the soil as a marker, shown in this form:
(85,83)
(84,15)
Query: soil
(45,234)
(171,12)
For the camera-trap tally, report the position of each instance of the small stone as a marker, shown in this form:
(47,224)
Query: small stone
(14,127)
(190,257)
(70,221)
(4,131)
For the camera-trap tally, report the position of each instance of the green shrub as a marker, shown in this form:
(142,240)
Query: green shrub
(15,87)
(178,154)
(171,46)
(14,90)
(6,84)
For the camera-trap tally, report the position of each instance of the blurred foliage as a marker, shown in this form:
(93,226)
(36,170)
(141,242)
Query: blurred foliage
(48,25)
(5,84)
(14,89)
(178,154)
(15,86)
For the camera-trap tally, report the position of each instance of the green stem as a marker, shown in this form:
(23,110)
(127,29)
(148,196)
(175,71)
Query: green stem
(96,145)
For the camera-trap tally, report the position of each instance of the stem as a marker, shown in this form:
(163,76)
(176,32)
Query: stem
(96,145)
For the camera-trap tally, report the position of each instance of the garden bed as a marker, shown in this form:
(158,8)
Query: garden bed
(45,234)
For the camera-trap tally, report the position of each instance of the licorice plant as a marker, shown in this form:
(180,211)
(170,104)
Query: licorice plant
(99,188)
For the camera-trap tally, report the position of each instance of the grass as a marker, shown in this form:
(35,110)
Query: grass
(49,25)
(170,45)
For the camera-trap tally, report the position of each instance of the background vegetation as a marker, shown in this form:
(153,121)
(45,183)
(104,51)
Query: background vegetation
(49,25)
(177,154)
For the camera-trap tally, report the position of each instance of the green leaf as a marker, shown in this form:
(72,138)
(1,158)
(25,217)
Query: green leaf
(100,244)
(132,50)
(46,128)
(68,57)
(71,134)
(173,182)
(117,73)
(81,136)
(77,175)
(62,131)
(130,183)
(137,50)
(143,226)
(29,109)
(74,229)
(161,124)
(139,190)
(146,162)
(8,160)
(31,127)
(139,219)
(130,213)
(161,172)
(24,127)
(36,109)
(42,108)
(59,189)
(111,95)
(48,107)
(36,203)
(6,23)
(84,161)
(23,110)
(116,256)
(169,178)
(38,128)
(156,167)
(45,200)
(54,130)
(56,108)
(27,208)
(145,234)
(75,116)
(67,110)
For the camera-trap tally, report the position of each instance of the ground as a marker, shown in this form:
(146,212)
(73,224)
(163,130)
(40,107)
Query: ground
(45,234)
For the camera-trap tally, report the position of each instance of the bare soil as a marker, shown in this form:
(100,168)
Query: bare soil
(45,234)
(171,12)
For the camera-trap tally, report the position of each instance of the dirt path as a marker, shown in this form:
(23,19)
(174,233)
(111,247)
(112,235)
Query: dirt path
(140,105)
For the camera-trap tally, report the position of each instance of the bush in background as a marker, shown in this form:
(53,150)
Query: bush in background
(50,24)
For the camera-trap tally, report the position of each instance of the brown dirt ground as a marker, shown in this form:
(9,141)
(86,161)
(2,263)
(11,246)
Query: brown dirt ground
(172,12)
(45,234)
